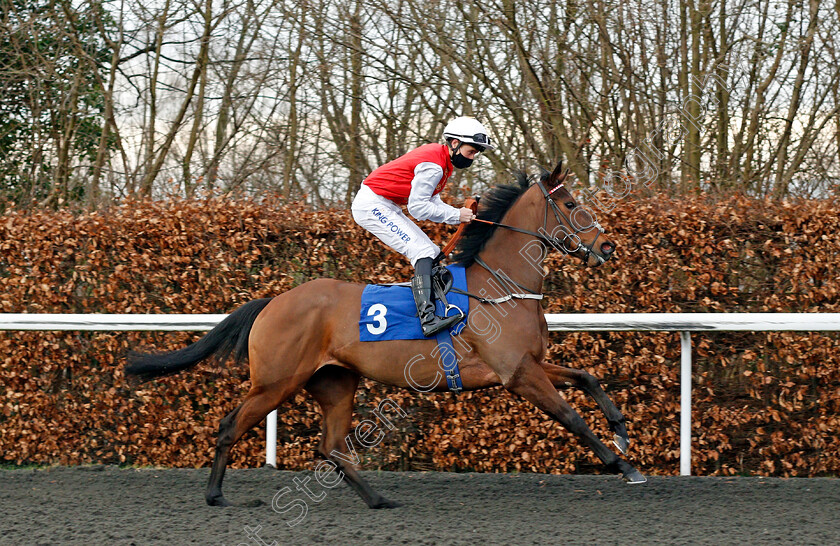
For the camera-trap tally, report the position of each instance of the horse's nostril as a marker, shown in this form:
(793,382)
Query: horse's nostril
(607,248)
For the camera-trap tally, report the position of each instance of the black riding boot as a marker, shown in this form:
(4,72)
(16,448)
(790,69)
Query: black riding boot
(421,288)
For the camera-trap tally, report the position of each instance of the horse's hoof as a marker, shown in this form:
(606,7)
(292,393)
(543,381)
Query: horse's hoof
(385,503)
(634,476)
(622,443)
(218,501)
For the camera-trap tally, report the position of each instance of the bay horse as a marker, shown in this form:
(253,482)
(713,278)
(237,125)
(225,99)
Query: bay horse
(308,337)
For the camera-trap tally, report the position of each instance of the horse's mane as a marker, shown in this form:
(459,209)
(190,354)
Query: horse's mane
(492,206)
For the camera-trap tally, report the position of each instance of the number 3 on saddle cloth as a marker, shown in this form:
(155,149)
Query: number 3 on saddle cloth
(389,313)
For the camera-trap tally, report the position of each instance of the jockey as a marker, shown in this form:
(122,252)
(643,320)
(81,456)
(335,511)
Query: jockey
(415,180)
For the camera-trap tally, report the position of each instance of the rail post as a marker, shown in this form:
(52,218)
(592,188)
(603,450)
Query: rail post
(685,403)
(271,439)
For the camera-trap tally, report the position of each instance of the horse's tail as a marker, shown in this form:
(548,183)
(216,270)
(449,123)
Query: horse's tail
(229,337)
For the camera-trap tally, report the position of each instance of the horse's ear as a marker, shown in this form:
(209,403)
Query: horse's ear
(559,176)
(544,174)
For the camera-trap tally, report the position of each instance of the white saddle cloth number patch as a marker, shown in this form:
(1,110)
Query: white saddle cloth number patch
(378,311)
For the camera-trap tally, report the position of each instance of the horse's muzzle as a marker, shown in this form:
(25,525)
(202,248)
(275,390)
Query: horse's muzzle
(600,254)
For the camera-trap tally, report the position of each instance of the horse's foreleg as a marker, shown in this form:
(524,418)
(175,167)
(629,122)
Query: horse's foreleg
(334,388)
(257,404)
(562,377)
(531,382)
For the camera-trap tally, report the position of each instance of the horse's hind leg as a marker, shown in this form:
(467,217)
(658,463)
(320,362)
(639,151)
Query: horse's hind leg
(335,389)
(257,404)
(562,377)
(531,382)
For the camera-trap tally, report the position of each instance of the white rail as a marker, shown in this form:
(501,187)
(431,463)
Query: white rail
(695,322)
(114,322)
(684,323)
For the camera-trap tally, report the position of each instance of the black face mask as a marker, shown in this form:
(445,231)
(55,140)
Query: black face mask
(458,160)
(461,162)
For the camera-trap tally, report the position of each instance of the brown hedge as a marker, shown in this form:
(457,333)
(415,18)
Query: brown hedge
(764,403)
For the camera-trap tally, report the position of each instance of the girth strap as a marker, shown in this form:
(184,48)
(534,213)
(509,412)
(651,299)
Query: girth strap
(448,359)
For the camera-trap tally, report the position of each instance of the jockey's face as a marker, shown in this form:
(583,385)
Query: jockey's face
(467,150)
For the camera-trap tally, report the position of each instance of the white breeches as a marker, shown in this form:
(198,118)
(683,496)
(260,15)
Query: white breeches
(386,220)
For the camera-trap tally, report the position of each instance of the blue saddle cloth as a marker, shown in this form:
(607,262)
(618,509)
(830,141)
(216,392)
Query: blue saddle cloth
(389,312)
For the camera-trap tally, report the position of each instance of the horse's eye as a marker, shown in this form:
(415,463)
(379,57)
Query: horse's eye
(570,205)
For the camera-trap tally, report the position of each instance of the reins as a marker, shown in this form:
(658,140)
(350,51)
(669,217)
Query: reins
(544,237)
(550,239)
(520,230)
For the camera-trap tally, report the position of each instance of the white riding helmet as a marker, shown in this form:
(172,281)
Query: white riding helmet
(469,131)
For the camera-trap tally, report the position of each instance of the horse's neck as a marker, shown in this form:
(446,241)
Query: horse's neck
(518,255)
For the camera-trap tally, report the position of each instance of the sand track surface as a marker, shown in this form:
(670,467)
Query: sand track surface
(109,505)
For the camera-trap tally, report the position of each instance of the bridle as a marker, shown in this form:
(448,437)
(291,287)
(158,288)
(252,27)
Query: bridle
(546,238)
(550,239)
